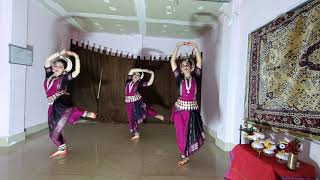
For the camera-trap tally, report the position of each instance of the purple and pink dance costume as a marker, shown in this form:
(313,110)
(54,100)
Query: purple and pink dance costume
(137,110)
(186,114)
(61,109)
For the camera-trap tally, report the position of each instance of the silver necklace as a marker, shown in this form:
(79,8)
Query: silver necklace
(49,82)
(188,84)
(131,84)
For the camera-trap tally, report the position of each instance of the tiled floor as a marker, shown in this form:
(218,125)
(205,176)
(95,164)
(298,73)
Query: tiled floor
(104,151)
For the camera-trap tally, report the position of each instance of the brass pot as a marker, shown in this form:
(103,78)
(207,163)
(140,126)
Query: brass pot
(292,161)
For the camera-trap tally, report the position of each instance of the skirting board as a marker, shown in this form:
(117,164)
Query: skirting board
(222,145)
(11,140)
(36,128)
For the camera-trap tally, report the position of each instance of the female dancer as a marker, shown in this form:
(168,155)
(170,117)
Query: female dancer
(138,110)
(185,115)
(61,110)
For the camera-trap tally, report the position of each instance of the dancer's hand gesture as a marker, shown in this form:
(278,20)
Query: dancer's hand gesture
(190,43)
(149,71)
(180,44)
(63,52)
(70,53)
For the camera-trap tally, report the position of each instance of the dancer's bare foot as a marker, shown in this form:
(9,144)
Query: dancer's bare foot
(135,137)
(160,117)
(183,161)
(59,154)
(91,115)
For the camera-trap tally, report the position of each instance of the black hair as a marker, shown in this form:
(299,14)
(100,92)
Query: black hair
(187,60)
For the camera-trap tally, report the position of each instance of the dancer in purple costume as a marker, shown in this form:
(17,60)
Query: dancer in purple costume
(186,114)
(61,109)
(137,110)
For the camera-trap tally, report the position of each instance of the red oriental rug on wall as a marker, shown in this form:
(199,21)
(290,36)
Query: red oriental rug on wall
(284,74)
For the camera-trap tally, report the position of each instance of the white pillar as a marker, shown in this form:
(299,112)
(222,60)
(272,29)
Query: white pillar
(5,36)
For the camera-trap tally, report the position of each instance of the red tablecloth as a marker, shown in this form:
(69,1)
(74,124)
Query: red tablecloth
(247,164)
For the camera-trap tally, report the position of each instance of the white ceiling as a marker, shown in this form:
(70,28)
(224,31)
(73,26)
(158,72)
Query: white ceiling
(157,18)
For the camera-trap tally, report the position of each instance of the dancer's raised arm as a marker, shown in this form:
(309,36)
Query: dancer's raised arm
(76,71)
(174,55)
(198,54)
(151,77)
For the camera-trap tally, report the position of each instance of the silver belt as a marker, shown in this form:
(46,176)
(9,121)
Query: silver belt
(134,98)
(52,98)
(186,105)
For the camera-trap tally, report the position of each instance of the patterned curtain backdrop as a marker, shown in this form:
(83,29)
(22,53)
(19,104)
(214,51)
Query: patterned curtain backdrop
(114,70)
(284,75)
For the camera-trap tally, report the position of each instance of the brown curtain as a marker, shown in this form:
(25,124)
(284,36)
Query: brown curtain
(110,105)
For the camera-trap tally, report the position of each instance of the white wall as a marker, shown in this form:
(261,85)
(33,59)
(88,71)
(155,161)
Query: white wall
(225,50)
(220,67)
(13,21)
(23,102)
(17,75)
(47,35)
(214,80)
(132,43)
(19,22)
(17,98)
(5,36)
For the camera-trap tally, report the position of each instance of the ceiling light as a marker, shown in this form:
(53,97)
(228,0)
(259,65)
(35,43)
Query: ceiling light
(163,31)
(118,25)
(200,8)
(165,25)
(106,1)
(122,29)
(168,7)
(168,13)
(112,8)
(97,24)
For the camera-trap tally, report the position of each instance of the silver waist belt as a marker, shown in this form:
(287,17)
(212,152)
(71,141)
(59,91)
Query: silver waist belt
(136,97)
(187,105)
(52,98)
